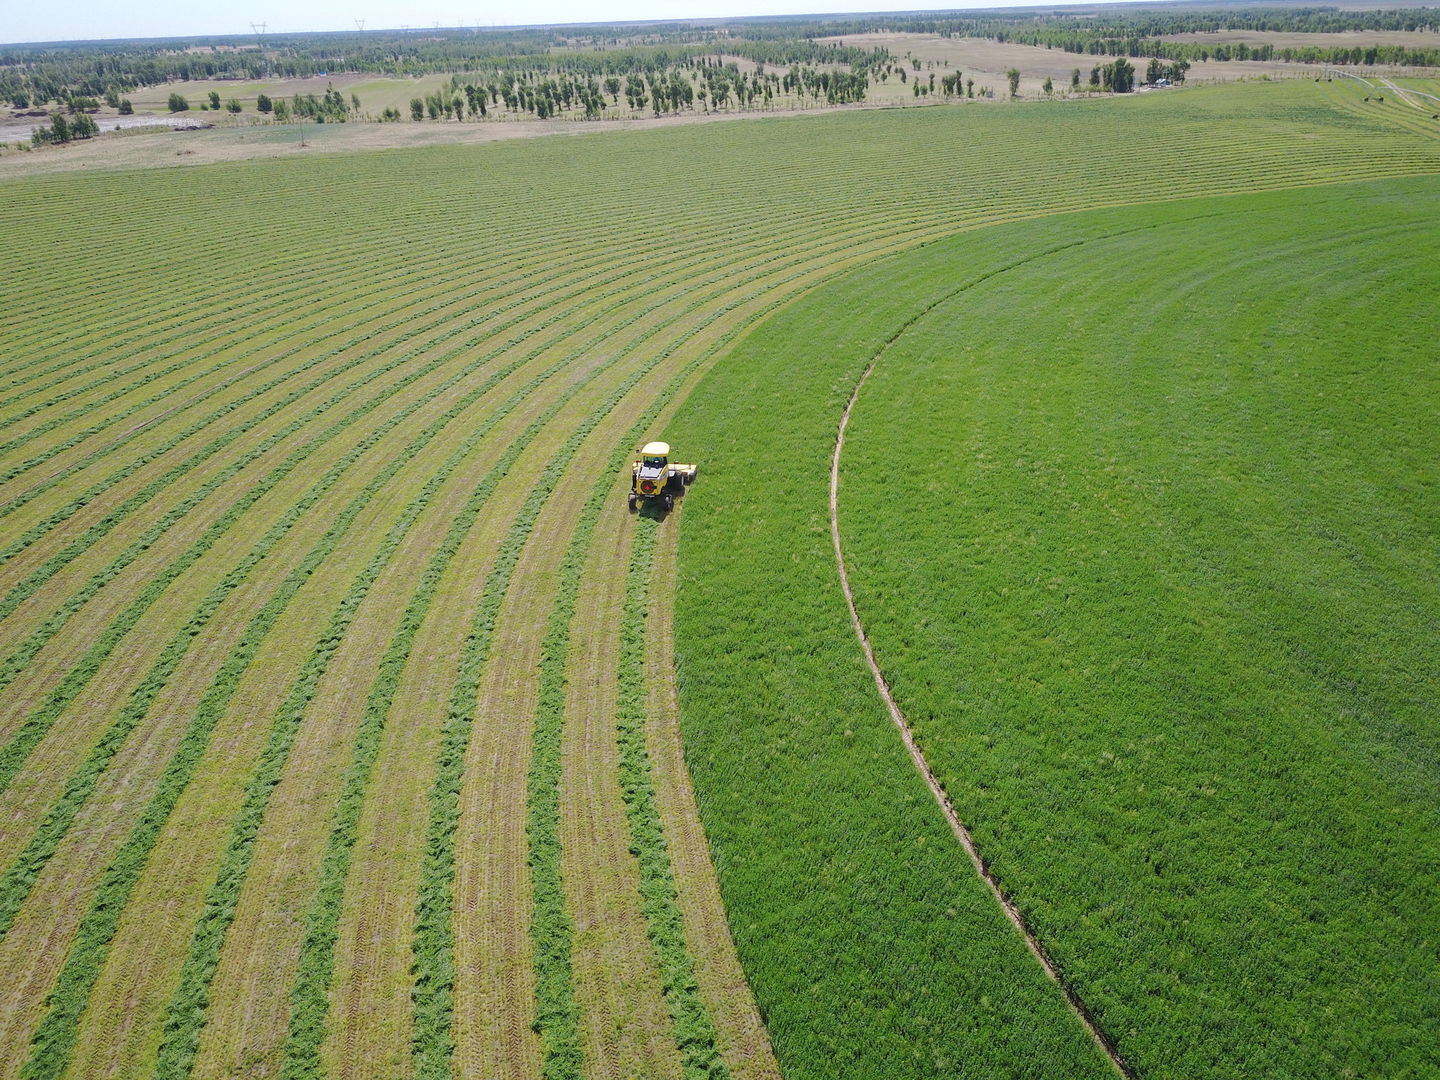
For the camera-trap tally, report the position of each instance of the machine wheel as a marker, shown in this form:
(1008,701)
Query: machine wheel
(668,501)
(633,501)
(689,477)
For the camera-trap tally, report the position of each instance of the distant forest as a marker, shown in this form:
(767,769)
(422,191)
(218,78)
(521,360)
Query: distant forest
(32,75)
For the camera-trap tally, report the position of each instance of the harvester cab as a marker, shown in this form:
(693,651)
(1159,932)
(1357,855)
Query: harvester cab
(654,477)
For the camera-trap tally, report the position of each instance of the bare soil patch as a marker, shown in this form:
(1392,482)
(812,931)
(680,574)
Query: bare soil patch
(1349,38)
(162,148)
(987,61)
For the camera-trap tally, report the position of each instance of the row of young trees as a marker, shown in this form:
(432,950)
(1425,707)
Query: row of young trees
(706,84)
(45,72)
(331,107)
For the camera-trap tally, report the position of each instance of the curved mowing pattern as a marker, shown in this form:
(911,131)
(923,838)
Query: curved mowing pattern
(378,384)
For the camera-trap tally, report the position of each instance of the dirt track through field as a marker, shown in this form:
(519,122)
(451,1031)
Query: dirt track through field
(958,827)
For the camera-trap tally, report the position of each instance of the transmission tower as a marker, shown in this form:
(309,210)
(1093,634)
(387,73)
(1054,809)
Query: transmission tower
(360,25)
(259,29)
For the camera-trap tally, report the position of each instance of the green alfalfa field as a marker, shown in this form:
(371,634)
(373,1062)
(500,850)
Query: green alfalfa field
(334,742)
(1139,512)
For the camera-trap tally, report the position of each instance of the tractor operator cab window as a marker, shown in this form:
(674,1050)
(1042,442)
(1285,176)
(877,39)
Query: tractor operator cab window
(653,462)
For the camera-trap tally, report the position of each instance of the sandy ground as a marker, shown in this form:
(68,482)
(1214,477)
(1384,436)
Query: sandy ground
(13,128)
(160,148)
(986,61)
(1417,39)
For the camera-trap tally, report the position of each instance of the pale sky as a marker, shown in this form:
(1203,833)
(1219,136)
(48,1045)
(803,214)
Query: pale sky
(79,20)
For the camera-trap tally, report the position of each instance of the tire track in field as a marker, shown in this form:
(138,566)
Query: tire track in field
(631,320)
(429,987)
(732,322)
(917,757)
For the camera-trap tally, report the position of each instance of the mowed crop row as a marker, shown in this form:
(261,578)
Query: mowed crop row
(286,573)
(1146,561)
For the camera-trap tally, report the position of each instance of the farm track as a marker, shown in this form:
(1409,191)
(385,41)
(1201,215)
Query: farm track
(90,602)
(917,757)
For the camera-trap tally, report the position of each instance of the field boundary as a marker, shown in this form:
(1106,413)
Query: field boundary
(917,756)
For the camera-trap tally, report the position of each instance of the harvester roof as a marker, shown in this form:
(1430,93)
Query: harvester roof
(656,449)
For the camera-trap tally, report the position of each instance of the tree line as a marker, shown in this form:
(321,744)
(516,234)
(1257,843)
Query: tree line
(696,82)
(39,74)
(47,72)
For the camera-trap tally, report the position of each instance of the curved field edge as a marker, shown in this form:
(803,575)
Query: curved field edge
(1164,611)
(842,883)
(869,942)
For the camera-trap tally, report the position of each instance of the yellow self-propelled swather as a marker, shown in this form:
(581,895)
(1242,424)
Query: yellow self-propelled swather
(655,477)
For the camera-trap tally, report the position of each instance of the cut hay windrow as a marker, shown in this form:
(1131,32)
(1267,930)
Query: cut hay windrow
(284,285)
(694,1027)
(556,1019)
(556,1013)
(36,725)
(116,346)
(185,1033)
(410,320)
(842,189)
(433,1038)
(185,340)
(186,1013)
(450,299)
(165,393)
(17,881)
(54,1041)
(310,998)
(39,721)
(279,291)
(283,275)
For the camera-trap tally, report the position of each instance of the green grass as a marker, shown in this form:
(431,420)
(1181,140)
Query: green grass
(1139,510)
(872,948)
(1177,659)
